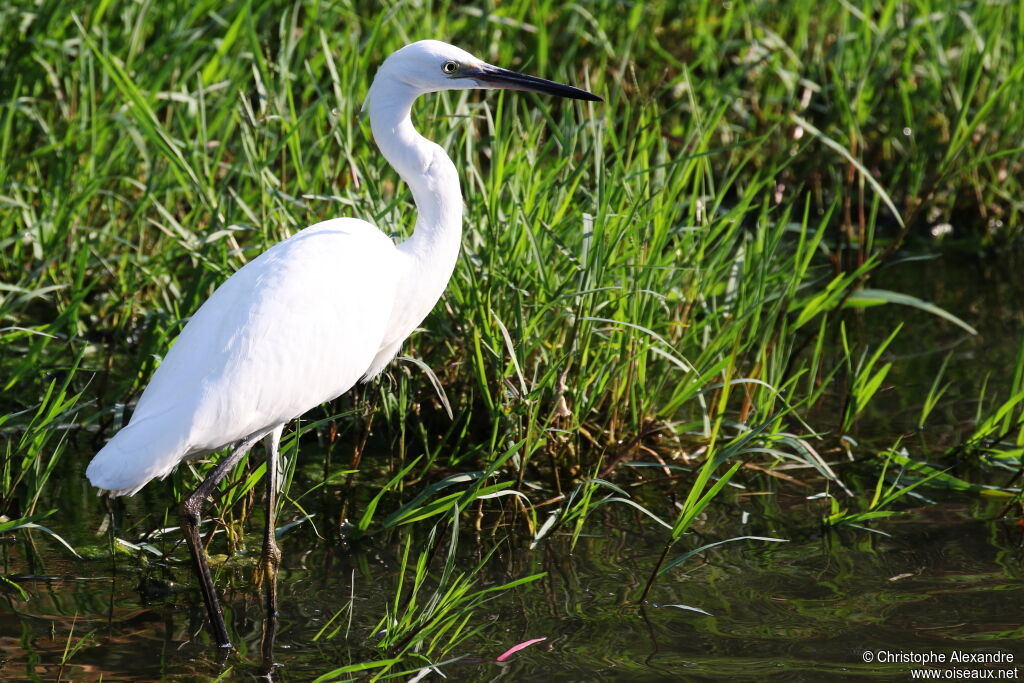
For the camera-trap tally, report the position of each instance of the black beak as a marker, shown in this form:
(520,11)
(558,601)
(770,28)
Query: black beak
(495,77)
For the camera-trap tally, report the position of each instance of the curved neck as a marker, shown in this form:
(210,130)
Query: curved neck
(428,171)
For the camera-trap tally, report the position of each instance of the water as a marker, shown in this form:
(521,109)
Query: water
(949,578)
(945,578)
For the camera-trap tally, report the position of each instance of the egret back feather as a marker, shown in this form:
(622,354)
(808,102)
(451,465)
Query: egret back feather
(279,337)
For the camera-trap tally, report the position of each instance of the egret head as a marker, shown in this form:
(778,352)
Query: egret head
(430,66)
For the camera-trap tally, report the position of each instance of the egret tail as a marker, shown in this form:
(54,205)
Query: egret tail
(142,451)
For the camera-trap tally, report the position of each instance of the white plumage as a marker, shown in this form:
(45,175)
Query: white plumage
(277,338)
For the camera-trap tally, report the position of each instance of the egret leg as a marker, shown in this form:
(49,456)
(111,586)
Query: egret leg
(271,560)
(191,515)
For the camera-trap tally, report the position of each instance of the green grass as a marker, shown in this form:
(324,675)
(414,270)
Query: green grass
(680,274)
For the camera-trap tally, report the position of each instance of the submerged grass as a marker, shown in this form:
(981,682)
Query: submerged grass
(675,281)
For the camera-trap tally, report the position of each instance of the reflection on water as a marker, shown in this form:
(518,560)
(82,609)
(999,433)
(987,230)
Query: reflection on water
(943,581)
(946,578)
(984,292)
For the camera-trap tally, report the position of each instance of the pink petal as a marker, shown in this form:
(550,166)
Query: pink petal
(516,648)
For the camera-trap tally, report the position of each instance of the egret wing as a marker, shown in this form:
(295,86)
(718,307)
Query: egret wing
(295,327)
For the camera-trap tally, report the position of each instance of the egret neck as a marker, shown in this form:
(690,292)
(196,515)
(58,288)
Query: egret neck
(433,248)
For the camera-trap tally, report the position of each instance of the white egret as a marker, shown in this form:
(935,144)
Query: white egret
(308,318)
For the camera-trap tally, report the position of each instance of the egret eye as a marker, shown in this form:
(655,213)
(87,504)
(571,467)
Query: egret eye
(450,67)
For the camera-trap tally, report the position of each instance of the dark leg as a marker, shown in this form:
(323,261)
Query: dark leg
(271,559)
(191,515)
